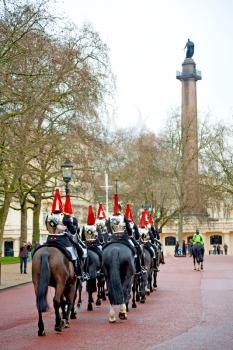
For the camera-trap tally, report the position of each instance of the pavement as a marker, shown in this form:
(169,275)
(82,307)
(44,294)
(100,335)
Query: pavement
(10,275)
(189,310)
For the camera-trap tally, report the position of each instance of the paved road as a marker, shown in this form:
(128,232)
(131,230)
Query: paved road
(190,310)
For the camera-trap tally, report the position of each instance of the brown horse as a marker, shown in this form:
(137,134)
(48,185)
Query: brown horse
(50,267)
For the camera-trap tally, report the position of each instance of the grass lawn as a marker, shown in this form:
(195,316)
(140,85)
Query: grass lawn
(9,260)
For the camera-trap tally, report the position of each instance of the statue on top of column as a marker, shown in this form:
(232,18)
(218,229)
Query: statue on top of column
(190,49)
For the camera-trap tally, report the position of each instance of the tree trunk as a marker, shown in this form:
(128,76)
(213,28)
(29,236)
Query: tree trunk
(23,236)
(180,229)
(36,218)
(3,216)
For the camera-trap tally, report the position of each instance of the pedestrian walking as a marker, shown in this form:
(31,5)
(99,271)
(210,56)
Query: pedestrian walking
(29,247)
(23,254)
(218,249)
(225,247)
(184,248)
(215,249)
(190,248)
(176,248)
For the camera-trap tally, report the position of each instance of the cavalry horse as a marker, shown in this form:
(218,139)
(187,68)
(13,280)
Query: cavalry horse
(119,270)
(139,288)
(94,270)
(198,256)
(50,267)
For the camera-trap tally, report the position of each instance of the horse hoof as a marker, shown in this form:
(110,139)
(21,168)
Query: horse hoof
(194,268)
(63,323)
(122,315)
(134,306)
(89,307)
(67,325)
(79,305)
(58,329)
(98,302)
(112,319)
(137,299)
(41,333)
(73,316)
(142,301)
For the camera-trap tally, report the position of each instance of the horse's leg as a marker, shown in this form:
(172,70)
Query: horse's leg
(98,300)
(59,324)
(41,331)
(137,286)
(112,317)
(103,294)
(134,305)
(150,280)
(71,296)
(194,261)
(80,287)
(91,287)
(122,312)
(155,280)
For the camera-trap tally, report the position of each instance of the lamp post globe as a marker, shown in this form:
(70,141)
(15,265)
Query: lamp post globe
(66,169)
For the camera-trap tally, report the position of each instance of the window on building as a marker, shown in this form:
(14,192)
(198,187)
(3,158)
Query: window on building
(170,240)
(216,240)
(8,248)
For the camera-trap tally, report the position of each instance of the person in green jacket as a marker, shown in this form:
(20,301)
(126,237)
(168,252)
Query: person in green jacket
(198,250)
(197,237)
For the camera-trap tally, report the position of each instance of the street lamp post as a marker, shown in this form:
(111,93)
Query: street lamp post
(67,168)
(116,184)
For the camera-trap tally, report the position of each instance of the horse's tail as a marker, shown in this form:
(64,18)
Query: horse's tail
(42,304)
(115,291)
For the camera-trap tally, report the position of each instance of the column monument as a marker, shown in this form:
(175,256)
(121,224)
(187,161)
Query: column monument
(190,181)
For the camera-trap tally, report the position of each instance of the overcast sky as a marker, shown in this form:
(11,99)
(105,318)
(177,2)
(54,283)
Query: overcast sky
(146,40)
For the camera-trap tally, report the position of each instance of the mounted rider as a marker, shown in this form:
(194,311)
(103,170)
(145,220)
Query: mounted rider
(90,234)
(198,238)
(119,226)
(155,238)
(62,229)
(101,224)
(147,238)
(134,236)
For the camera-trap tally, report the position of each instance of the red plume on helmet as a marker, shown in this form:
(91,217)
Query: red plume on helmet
(143,219)
(150,219)
(101,214)
(68,210)
(90,216)
(117,207)
(128,212)
(57,206)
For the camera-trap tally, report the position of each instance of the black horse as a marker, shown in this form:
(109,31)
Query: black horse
(94,265)
(198,256)
(50,267)
(119,270)
(139,287)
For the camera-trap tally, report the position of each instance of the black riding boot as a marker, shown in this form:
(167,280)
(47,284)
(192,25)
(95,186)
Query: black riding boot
(77,268)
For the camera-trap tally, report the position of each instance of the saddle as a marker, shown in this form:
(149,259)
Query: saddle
(95,249)
(148,246)
(121,237)
(55,245)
